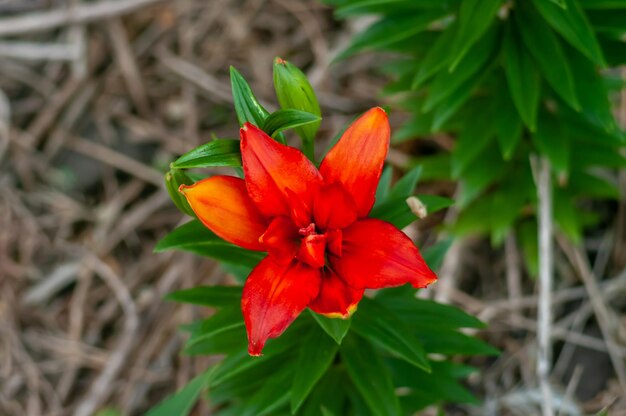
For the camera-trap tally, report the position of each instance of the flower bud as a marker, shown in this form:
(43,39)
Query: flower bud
(294,91)
(173,180)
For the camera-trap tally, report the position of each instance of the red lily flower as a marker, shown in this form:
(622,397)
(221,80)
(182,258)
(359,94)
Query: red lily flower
(323,251)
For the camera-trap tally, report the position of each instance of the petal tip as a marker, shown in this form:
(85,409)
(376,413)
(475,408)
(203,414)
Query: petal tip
(255,348)
(182,188)
(280,61)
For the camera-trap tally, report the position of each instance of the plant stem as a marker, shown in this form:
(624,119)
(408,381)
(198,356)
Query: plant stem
(543,180)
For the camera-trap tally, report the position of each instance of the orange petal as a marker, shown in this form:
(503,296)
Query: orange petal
(333,208)
(271,169)
(273,296)
(281,239)
(223,205)
(375,254)
(336,299)
(356,161)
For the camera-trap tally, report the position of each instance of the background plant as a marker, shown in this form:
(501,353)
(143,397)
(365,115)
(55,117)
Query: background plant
(509,79)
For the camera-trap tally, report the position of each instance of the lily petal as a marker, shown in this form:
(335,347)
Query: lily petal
(356,161)
(271,169)
(223,205)
(273,296)
(375,254)
(281,239)
(336,299)
(333,208)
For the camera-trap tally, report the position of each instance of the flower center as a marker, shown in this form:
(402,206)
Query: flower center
(308,230)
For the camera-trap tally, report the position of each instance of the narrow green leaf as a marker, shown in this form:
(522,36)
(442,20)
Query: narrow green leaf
(560,3)
(435,203)
(406,185)
(437,57)
(224,320)
(593,93)
(572,24)
(389,30)
(183,400)
(328,398)
(446,83)
(452,343)
(423,314)
(282,120)
(545,47)
(220,152)
(370,376)
(382,327)
(475,16)
(196,238)
(552,141)
(523,79)
(508,124)
(336,328)
(247,107)
(434,255)
(382,190)
(316,355)
(602,4)
(208,295)
(473,140)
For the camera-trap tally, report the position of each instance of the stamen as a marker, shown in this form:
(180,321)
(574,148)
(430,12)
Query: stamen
(309,230)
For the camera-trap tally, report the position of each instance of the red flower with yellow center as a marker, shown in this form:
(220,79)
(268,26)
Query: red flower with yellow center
(323,251)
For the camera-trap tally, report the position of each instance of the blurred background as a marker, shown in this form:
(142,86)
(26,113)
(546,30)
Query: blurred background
(97,98)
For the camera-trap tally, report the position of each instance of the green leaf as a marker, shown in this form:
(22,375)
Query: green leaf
(435,203)
(238,366)
(452,343)
(566,214)
(247,107)
(545,47)
(285,119)
(592,92)
(527,240)
(220,152)
(508,124)
(572,24)
(316,355)
(552,141)
(183,400)
(390,30)
(336,328)
(224,321)
(424,314)
(328,398)
(208,295)
(370,376)
(395,211)
(434,255)
(473,139)
(355,8)
(437,57)
(382,190)
(173,180)
(475,16)
(196,238)
(405,185)
(472,66)
(523,79)
(382,327)
(560,3)
(436,387)
(602,4)
(295,92)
